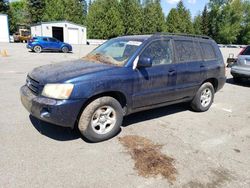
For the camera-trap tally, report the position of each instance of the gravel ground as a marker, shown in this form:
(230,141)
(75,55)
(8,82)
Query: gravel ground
(209,150)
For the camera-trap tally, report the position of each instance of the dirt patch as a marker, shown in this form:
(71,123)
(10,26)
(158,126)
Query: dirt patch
(149,161)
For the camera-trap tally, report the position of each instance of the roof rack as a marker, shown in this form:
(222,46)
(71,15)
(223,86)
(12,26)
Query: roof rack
(182,35)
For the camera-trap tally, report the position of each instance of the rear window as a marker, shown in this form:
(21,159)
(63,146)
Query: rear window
(187,51)
(246,51)
(208,51)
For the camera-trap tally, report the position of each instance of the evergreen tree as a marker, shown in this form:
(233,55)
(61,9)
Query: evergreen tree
(4,6)
(104,19)
(230,25)
(205,21)
(172,21)
(132,16)
(70,10)
(198,25)
(179,20)
(245,26)
(35,9)
(153,19)
(85,7)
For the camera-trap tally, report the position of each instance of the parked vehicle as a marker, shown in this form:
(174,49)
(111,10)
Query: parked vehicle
(241,69)
(23,35)
(125,75)
(40,44)
(231,60)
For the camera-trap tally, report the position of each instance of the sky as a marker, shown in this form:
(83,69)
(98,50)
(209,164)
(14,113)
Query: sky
(193,5)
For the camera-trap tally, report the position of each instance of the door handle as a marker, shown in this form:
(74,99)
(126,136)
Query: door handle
(171,72)
(202,66)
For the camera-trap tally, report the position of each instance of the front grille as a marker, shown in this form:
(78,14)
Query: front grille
(33,85)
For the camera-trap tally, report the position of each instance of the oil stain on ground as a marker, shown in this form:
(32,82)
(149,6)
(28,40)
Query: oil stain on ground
(149,161)
(218,179)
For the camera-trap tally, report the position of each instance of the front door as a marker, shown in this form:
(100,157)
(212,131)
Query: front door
(156,84)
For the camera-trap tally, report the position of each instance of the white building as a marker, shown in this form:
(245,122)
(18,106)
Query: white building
(62,30)
(4,28)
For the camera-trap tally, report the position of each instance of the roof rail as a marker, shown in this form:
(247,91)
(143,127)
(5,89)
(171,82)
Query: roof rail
(182,34)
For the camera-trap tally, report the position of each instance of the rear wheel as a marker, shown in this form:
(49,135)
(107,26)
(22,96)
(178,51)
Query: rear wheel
(65,49)
(101,119)
(37,49)
(203,98)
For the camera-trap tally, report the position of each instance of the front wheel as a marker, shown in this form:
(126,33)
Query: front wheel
(203,98)
(101,119)
(65,49)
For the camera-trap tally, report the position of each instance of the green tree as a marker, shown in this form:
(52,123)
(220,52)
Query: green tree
(230,25)
(131,16)
(4,6)
(70,10)
(173,21)
(18,15)
(35,9)
(104,19)
(179,20)
(205,21)
(198,25)
(245,31)
(153,19)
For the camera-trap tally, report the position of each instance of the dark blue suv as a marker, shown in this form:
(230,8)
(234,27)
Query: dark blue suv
(39,44)
(125,75)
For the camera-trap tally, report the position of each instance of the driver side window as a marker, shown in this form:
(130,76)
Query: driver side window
(159,51)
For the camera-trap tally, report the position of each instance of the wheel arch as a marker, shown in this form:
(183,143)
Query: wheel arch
(119,96)
(213,81)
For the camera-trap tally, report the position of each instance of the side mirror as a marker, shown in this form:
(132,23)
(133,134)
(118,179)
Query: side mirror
(144,62)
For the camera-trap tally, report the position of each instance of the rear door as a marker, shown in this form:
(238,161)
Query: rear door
(45,43)
(156,84)
(189,67)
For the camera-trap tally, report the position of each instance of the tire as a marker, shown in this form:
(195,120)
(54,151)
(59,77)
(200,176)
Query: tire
(203,98)
(65,49)
(101,119)
(37,49)
(237,79)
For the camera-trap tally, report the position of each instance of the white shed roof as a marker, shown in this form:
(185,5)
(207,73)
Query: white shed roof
(56,22)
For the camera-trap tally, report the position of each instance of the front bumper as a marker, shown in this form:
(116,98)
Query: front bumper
(60,112)
(238,71)
(29,47)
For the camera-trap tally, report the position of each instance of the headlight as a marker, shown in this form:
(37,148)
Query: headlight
(57,91)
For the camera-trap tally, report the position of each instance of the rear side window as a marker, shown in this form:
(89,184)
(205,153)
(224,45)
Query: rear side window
(246,51)
(187,51)
(208,51)
(45,39)
(52,40)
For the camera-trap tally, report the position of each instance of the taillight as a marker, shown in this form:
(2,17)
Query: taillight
(242,51)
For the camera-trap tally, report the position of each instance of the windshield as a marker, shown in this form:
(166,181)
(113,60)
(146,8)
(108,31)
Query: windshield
(115,51)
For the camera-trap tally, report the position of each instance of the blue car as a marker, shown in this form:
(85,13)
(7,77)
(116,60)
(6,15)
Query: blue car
(123,76)
(40,44)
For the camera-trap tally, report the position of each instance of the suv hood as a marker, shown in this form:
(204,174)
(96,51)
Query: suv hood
(59,72)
